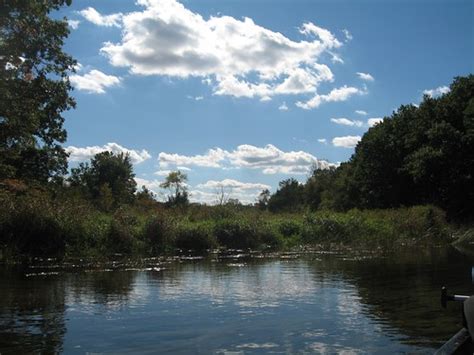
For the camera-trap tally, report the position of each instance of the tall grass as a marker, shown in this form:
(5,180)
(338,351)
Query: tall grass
(33,223)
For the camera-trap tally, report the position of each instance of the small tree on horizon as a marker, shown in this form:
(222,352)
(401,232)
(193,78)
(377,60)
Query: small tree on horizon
(175,182)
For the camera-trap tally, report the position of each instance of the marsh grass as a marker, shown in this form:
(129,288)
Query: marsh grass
(33,223)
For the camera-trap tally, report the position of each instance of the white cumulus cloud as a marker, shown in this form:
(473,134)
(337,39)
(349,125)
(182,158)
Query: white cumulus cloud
(347,122)
(323,140)
(232,184)
(339,94)
(269,159)
(365,76)
(235,57)
(92,15)
(74,24)
(346,141)
(283,107)
(94,82)
(85,153)
(361,112)
(212,191)
(436,92)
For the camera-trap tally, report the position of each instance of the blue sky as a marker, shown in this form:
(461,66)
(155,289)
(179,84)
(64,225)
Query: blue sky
(243,94)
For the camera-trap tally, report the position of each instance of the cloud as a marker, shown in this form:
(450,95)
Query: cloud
(94,82)
(283,107)
(82,154)
(365,76)
(210,191)
(323,140)
(92,15)
(211,159)
(339,94)
(167,172)
(153,185)
(195,98)
(437,92)
(74,24)
(336,59)
(268,159)
(232,184)
(347,34)
(361,112)
(236,57)
(373,121)
(203,197)
(346,142)
(347,122)
(162,172)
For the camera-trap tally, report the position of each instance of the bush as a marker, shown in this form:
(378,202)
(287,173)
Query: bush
(28,225)
(159,234)
(197,237)
(119,239)
(289,228)
(236,234)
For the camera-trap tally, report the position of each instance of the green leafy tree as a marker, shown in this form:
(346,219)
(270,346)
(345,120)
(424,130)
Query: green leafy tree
(289,197)
(319,186)
(420,155)
(107,171)
(175,182)
(34,89)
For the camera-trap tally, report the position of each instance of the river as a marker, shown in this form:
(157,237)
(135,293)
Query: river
(323,302)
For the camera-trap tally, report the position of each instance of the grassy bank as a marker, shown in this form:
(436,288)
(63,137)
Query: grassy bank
(34,223)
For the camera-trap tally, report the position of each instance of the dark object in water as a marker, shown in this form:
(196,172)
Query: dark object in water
(461,342)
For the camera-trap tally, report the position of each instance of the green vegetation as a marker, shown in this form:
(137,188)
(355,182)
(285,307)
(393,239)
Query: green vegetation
(36,223)
(419,155)
(34,89)
(406,172)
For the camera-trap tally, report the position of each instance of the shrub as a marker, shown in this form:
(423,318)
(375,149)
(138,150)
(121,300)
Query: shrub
(288,228)
(197,237)
(119,239)
(236,234)
(159,234)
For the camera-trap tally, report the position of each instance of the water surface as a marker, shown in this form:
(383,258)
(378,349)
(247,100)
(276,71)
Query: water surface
(321,302)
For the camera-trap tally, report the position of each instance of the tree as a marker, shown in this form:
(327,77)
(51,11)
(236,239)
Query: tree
(263,198)
(420,155)
(176,183)
(222,196)
(319,186)
(288,197)
(34,89)
(107,171)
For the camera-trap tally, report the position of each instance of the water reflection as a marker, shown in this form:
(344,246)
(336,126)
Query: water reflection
(326,302)
(31,313)
(257,284)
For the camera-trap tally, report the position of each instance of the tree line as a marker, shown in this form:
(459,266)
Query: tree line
(418,155)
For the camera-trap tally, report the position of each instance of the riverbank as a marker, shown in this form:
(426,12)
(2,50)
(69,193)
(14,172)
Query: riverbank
(38,224)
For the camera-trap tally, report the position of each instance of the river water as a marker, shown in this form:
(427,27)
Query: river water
(323,302)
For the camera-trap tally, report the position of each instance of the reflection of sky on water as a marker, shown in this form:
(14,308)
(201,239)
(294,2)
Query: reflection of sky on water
(271,306)
(251,286)
(322,304)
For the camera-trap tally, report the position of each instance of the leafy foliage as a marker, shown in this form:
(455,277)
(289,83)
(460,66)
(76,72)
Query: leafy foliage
(288,197)
(34,88)
(418,155)
(109,179)
(176,183)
